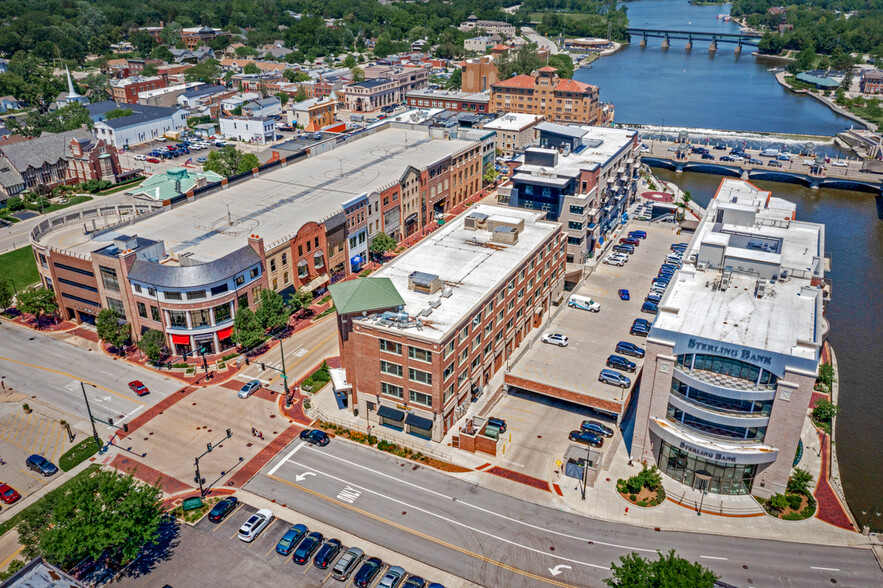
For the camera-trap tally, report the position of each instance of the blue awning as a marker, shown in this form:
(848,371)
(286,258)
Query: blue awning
(418,421)
(390,413)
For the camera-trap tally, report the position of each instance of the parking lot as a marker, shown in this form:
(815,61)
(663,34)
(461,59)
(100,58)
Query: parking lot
(211,554)
(128,161)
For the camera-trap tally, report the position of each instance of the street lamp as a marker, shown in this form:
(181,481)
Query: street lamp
(91,418)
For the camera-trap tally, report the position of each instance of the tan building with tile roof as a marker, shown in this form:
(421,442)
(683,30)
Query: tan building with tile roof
(557,99)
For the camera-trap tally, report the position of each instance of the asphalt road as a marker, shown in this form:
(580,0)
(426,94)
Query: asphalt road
(39,366)
(496,540)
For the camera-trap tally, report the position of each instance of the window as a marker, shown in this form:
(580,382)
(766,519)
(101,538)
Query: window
(172,295)
(178,319)
(575,226)
(151,292)
(393,369)
(390,346)
(448,371)
(195,294)
(449,348)
(316,241)
(419,354)
(273,264)
(464,375)
(476,343)
(392,390)
(109,278)
(154,313)
(463,334)
(464,355)
(219,289)
(300,250)
(488,329)
(200,318)
(222,312)
(284,259)
(420,376)
(476,320)
(421,398)
(487,349)
(476,361)
(449,392)
(254,272)
(137,288)
(142,310)
(510,287)
(577,209)
(508,324)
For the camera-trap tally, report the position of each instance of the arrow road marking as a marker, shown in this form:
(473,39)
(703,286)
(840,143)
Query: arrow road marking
(559,569)
(286,458)
(303,476)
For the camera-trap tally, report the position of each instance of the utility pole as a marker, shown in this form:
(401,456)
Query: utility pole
(586,470)
(91,418)
(198,478)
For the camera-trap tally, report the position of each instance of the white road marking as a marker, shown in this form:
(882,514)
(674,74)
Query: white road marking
(133,412)
(712,557)
(286,458)
(559,569)
(301,352)
(107,372)
(825,569)
(510,519)
(348,494)
(455,522)
(303,476)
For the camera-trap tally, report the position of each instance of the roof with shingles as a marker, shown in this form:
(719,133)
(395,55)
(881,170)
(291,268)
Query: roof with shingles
(572,86)
(519,81)
(48,148)
(364,294)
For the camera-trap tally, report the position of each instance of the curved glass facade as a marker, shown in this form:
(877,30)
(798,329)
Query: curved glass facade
(721,404)
(730,367)
(714,476)
(715,430)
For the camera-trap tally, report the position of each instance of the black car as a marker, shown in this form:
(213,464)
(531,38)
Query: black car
(620,363)
(327,553)
(222,509)
(596,428)
(639,330)
(650,308)
(307,548)
(40,464)
(414,582)
(316,437)
(586,437)
(497,422)
(367,572)
(627,348)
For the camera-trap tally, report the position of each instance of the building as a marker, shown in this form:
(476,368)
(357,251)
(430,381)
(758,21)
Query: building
(871,81)
(479,74)
(264,107)
(479,44)
(192,261)
(256,82)
(43,161)
(193,55)
(515,131)
(587,45)
(256,130)
(557,99)
(821,80)
(146,123)
(9,103)
(205,100)
(39,573)
(313,114)
(423,335)
(173,74)
(69,97)
(174,182)
(583,177)
(734,352)
(92,159)
(449,100)
(166,96)
(488,26)
(126,91)
(407,78)
(488,140)
(370,95)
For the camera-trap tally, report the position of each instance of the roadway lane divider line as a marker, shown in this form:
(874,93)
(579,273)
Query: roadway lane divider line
(286,458)
(482,509)
(457,548)
(440,517)
(713,557)
(825,569)
(300,359)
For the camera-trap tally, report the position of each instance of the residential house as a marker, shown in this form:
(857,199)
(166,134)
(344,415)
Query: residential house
(147,123)
(9,103)
(193,56)
(263,108)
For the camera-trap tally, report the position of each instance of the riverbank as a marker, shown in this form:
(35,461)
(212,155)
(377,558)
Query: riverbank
(780,77)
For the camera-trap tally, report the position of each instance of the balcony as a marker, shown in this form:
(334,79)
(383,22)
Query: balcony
(717,381)
(707,409)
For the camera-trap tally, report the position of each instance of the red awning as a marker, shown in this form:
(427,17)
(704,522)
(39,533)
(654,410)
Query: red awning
(224,333)
(181,339)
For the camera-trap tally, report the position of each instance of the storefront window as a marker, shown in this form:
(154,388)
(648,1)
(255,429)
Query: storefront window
(715,477)
(200,318)
(222,312)
(178,319)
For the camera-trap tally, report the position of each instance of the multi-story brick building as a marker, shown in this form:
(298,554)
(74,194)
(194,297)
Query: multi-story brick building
(370,95)
(407,78)
(476,102)
(489,26)
(201,255)
(557,99)
(313,114)
(92,159)
(515,131)
(423,335)
(39,162)
(126,91)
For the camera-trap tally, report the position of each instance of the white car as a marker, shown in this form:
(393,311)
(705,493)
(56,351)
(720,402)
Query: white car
(839,163)
(255,524)
(672,148)
(140,157)
(617,261)
(555,339)
(809,162)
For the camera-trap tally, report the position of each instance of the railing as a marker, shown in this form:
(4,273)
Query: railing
(712,433)
(735,412)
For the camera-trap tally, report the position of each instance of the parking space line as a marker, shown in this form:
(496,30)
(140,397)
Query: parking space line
(20,424)
(33,476)
(264,533)
(7,421)
(46,435)
(227,518)
(32,430)
(59,440)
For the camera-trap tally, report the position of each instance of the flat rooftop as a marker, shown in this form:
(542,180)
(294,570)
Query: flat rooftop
(466,261)
(513,121)
(278,203)
(599,146)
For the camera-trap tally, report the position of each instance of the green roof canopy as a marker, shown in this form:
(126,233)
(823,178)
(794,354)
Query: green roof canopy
(364,294)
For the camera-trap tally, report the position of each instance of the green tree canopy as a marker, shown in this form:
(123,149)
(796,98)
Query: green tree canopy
(171,33)
(118,113)
(523,61)
(6,294)
(37,301)
(93,514)
(111,329)
(247,330)
(563,63)
(251,69)
(162,52)
(669,571)
(291,75)
(349,62)
(66,118)
(206,71)
(229,161)
(382,243)
(153,344)
(455,82)
(271,312)
(300,299)
(358,74)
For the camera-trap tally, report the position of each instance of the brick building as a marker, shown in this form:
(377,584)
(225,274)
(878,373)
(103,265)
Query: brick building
(126,91)
(557,99)
(92,159)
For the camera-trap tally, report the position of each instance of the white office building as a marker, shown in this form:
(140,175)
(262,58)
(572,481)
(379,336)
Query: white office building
(258,131)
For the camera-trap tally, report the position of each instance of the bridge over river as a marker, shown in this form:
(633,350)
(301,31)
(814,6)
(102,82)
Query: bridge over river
(738,39)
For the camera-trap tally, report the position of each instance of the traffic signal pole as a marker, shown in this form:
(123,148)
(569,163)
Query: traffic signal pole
(208,449)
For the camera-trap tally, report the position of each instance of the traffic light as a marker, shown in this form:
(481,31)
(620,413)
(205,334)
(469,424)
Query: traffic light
(209,446)
(229,433)
(126,427)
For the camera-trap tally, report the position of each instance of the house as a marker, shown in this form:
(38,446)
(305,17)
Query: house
(9,103)
(92,159)
(127,90)
(262,108)
(43,161)
(313,114)
(193,56)
(205,100)
(258,131)
(147,123)
(4,65)
(233,102)
(871,82)
(69,97)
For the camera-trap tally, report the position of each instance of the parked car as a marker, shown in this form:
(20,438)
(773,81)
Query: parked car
(392,578)
(249,388)
(666,272)
(152,160)
(222,509)
(316,437)
(649,308)
(631,241)
(623,294)
(307,548)
(642,322)
(676,246)
(414,582)
(620,363)
(347,563)
(720,147)
(555,339)
(627,348)
(201,159)
(290,539)
(41,465)
(367,572)
(327,553)
(140,157)
(672,149)
(138,388)
(638,234)
(614,378)
(639,330)
(586,437)
(755,161)
(774,163)
(727,158)
(617,261)
(624,248)
(255,524)
(8,494)
(597,428)
(654,298)
(708,156)
(497,422)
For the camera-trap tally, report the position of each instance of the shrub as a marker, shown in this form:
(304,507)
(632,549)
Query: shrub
(799,481)
(794,500)
(633,497)
(642,503)
(825,411)
(78,454)
(777,503)
(634,484)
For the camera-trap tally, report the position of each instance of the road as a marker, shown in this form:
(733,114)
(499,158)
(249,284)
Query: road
(496,540)
(541,41)
(51,371)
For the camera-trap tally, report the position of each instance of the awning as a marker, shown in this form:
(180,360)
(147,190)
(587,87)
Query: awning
(302,263)
(418,421)
(390,413)
(316,282)
(181,339)
(226,332)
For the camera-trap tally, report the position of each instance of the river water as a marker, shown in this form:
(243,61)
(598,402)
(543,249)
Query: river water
(674,87)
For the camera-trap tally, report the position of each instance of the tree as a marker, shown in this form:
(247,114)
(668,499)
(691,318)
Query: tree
(778,502)
(455,82)
(97,513)
(841,60)
(246,51)
(247,330)
(283,97)
(271,312)
(171,33)
(799,481)
(149,70)
(37,301)
(669,571)
(563,63)
(118,113)
(382,243)
(523,61)
(490,174)
(162,52)
(806,59)
(826,374)
(349,62)
(66,118)
(6,294)
(206,71)
(300,299)
(251,69)
(111,328)
(153,344)
(15,203)
(825,411)
(229,161)
(358,74)
(291,75)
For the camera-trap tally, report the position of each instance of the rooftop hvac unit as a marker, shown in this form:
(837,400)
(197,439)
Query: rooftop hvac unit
(447,292)
(425,312)
(434,303)
(701,266)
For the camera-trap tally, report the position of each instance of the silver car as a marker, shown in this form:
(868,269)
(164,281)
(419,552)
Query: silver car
(249,388)
(347,563)
(393,577)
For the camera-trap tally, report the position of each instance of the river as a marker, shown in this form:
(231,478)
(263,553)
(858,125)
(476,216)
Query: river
(674,87)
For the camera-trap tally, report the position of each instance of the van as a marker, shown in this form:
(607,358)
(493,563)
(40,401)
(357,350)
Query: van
(347,563)
(584,303)
(654,298)
(357,118)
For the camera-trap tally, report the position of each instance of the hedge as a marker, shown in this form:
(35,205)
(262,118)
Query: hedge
(78,454)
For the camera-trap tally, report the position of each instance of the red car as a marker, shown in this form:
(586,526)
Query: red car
(138,388)
(8,494)
(152,160)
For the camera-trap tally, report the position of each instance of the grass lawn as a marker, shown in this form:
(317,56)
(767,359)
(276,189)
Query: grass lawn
(70,202)
(78,454)
(19,266)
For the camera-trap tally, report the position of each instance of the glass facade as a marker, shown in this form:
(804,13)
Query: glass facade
(721,404)
(725,478)
(716,430)
(728,367)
